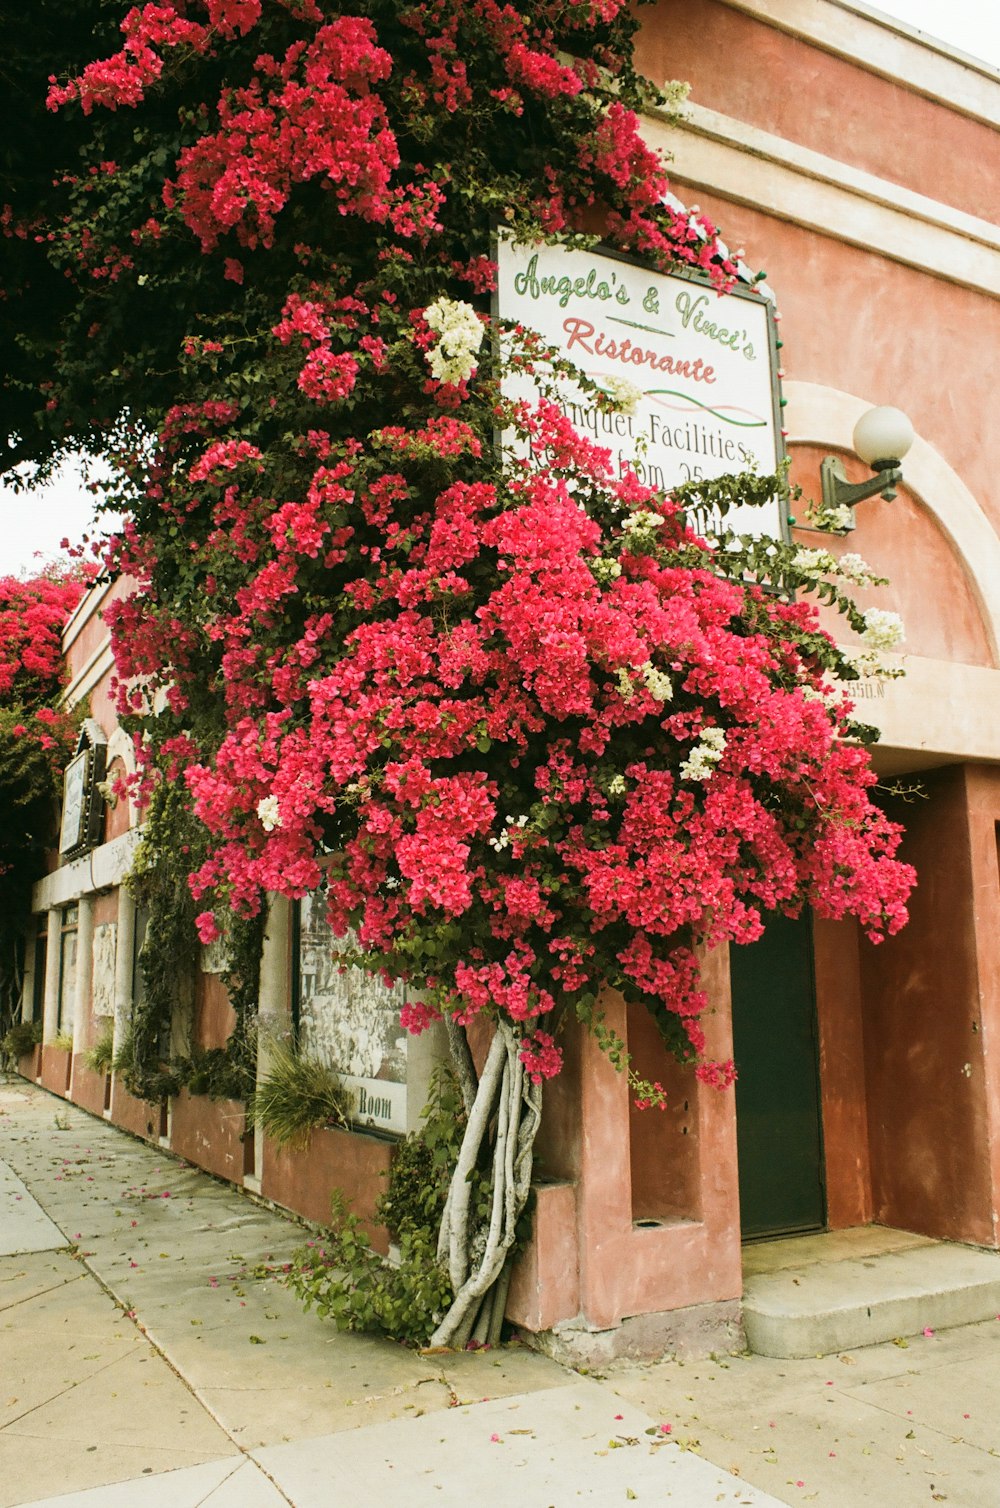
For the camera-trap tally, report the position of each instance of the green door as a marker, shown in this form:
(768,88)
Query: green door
(778,1127)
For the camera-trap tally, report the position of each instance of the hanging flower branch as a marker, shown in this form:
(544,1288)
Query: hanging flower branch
(36,740)
(540,736)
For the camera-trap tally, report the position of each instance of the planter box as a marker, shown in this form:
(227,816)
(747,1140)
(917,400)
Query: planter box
(140,1117)
(209,1133)
(333,1159)
(88,1088)
(57,1064)
(29,1066)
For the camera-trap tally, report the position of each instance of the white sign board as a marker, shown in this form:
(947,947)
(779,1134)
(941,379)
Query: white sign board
(349,1020)
(704,364)
(73,831)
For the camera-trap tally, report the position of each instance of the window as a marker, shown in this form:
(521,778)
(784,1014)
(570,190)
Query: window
(40,958)
(67,967)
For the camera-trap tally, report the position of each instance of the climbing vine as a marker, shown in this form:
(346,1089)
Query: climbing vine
(541,736)
(150,1063)
(341,1275)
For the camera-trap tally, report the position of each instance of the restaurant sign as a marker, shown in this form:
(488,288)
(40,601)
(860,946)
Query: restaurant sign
(704,365)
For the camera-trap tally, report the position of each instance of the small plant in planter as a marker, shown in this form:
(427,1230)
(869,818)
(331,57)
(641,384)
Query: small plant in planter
(213,1072)
(62,1040)
(20,1040)
(298,1095)
(418,1180)
(153,1085)
(101,1056)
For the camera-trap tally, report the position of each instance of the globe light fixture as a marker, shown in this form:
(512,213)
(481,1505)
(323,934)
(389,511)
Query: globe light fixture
(882,437)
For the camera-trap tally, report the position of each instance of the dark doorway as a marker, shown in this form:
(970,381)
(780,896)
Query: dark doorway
(778,1120)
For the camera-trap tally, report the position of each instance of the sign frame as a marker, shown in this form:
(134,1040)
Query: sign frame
(82,807)
(696,281)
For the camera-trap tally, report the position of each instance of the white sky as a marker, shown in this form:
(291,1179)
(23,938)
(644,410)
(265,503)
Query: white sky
(973,26)
(32,525)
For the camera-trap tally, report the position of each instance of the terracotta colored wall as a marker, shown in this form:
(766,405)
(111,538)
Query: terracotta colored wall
(983,789)
(87,642)
(214,1016)
(87,1088)
(334,1159)
(664,1145)
(117,817)
(839,1012)
(558,1143)
(622,1268)
(545,1283)
(93,633)
(209,1133)
(903,541)
(137,1116)
(102,707)
(30,1065)
(782,84)
(927,1107)
(855,321)
(55,1070)
(105,907)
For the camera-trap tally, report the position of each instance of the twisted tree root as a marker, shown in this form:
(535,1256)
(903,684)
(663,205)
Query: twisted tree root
(507,1107)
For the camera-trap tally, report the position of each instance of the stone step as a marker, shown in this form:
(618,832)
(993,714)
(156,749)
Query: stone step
(828,1305)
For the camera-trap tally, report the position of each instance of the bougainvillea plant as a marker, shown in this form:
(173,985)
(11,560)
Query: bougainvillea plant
(36,739)
(539,737)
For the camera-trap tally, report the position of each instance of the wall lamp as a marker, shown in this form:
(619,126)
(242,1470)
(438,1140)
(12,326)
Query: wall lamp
(882,436)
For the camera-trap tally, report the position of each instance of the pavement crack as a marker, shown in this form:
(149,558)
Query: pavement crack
(39,1293)
(214,1489)
(62,1392)
(935,1429)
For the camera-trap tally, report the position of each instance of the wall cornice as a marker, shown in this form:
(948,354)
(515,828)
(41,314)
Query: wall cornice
(99,665)
(90,603)
(888,47)
(749,166)
(100,869)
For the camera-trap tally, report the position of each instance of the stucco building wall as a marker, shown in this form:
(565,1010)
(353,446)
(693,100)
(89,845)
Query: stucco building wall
(858,165)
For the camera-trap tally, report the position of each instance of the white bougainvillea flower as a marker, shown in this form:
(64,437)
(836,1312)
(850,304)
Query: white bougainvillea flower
(852,567)
(269,813)
(835,520)
(659,685)
(883,630)
(701,762)
(813,562)
(623,394)
(604,570)
(460,335)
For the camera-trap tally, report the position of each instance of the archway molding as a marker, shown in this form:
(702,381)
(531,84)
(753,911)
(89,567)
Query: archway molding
(818,415)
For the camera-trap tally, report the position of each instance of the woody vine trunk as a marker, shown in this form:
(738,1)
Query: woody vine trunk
(534,734)
(504,1112)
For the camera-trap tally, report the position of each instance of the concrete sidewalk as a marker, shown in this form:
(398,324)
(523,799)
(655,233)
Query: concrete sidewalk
(150,1357)
(147,1341)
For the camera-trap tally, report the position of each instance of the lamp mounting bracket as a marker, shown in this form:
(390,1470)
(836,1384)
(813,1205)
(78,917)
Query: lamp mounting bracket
(838,492)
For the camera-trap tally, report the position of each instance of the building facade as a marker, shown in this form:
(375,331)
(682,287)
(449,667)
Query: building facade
(858,163)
